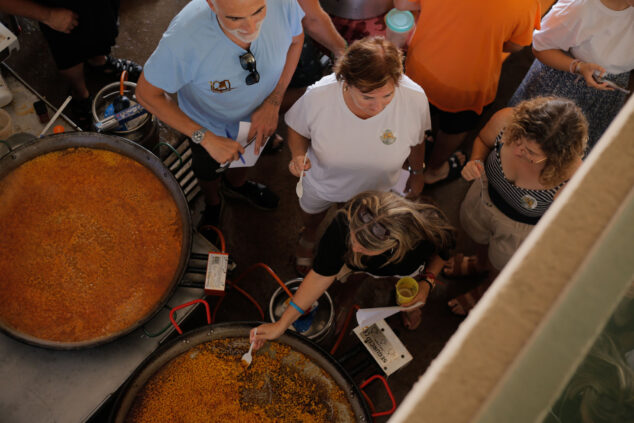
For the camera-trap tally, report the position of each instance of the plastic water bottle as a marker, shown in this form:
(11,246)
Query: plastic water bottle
(400,26)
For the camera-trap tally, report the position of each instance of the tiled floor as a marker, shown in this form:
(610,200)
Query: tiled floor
(255,236)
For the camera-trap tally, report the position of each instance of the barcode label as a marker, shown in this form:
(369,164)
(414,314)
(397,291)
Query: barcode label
(216,273)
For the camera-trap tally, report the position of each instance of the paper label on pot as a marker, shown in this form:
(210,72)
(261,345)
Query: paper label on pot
(216,273)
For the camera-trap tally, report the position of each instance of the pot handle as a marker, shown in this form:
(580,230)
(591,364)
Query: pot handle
(389,392)
(178,329)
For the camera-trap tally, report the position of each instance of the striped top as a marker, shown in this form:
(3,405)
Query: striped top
(520,204)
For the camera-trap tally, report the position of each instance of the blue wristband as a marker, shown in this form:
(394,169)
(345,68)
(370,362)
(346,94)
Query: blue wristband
(296,307)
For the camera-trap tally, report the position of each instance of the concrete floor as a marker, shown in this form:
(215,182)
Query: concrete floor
(270,237)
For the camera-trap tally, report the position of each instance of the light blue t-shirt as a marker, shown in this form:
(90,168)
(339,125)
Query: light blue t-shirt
(197,60)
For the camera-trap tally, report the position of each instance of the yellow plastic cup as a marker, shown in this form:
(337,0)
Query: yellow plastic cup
(406,290)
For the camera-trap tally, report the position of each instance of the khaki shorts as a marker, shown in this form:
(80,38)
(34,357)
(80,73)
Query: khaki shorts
(487,225)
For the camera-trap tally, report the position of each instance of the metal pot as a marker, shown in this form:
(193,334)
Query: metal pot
(239,334)
(38,147)
(143,130)
(319,322)
(357,9)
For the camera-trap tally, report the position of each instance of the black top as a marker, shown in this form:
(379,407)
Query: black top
(334,245)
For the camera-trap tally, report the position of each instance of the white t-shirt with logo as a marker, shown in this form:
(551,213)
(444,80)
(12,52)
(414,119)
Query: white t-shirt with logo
(348,154)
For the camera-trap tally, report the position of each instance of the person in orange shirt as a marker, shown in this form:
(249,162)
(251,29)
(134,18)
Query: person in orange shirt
(456,55)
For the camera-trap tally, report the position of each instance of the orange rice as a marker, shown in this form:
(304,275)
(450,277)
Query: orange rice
(90,243)
(208,384)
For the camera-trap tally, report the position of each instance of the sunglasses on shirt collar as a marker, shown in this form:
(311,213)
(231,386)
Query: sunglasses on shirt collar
(377,229)
(247,61)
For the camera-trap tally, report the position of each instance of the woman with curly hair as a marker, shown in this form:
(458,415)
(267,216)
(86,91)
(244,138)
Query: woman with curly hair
(521,160)
(379,233)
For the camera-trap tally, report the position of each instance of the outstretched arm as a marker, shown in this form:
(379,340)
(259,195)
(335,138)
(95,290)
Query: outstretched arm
(320,28)
(311,288)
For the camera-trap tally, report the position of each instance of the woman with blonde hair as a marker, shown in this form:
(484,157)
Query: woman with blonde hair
(521,160)
(354,131)
(379,233)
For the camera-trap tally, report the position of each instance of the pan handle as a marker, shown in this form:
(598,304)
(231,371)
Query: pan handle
(389,392)
(178,329)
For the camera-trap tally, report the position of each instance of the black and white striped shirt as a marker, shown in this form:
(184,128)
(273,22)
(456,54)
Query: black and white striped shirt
(520,204)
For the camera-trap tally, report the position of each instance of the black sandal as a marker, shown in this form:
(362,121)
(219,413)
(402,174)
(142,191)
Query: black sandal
(114,66)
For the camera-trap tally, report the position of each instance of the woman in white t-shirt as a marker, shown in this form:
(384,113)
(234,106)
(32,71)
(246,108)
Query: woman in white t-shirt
(579,39)
(359,127)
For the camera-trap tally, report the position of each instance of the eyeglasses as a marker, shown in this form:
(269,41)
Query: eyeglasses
(378,230)
(247,61)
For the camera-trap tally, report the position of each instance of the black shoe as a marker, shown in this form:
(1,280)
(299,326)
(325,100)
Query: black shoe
(81,112)
(256,194)
(115,66)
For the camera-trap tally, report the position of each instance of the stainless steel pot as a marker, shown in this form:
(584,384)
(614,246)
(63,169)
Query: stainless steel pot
(143,130)
(357,9)
(238,332)
(38,147)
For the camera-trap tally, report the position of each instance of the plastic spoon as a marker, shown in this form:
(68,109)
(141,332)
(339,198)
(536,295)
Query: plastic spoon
(299,189)
(247,358)
(369,316)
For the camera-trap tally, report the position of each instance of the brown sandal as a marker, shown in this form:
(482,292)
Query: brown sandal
(468,266)
(462,304)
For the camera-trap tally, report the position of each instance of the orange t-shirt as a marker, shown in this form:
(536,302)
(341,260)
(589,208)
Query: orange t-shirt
(456,51)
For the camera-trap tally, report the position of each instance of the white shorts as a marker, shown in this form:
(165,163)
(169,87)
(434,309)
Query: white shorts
(311,202)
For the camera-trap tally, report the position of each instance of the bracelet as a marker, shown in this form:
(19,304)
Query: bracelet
(416,171)
(431,285)
(574,65)
(296,307)
(429,275)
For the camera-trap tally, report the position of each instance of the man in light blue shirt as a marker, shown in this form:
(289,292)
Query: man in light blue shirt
(228,61)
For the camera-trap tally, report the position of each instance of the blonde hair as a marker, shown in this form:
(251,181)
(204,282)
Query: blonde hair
(560,129)
(407,222)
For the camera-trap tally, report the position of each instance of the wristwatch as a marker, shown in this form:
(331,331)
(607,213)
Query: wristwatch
(198,135)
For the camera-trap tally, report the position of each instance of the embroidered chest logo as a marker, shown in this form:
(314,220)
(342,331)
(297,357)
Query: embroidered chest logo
(220,86)
(529,202)
(387,137)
